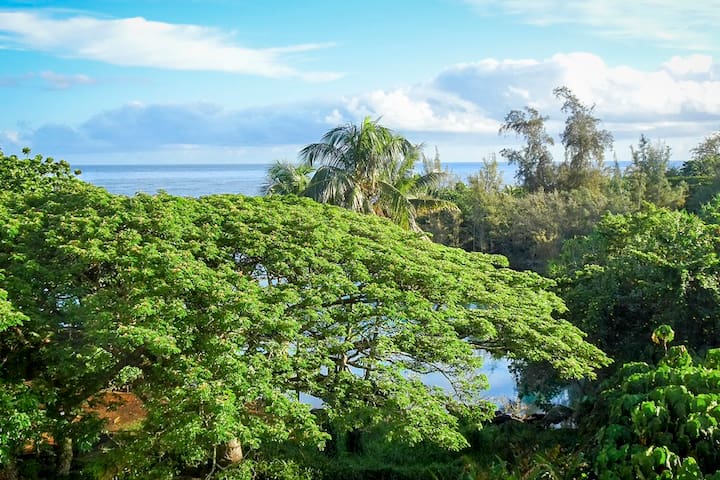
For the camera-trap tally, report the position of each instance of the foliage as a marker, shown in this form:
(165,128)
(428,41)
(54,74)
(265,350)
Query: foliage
(285,178)
(664,334)
(529,229)
(638,271)
(369,169)
(702,173)
(662,420)
(698,190)
(474,200)
(535,164)
(23,420)
(33,174)
(222,314)
(705,159)
(647,176)
(372,456)
(526,451)
(585,143)
(536,226)
(529,223)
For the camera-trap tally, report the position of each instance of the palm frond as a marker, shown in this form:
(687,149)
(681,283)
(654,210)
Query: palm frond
(285,178)
(331,185)
(320,153)
(393,204)
(425,205)
(429,181)
(367,168)
(357,201)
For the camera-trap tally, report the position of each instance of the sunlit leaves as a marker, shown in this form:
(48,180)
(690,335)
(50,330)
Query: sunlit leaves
(663,421)
(636,272)
(222,314)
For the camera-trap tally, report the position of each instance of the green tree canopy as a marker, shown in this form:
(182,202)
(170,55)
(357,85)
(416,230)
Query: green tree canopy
(535,169)
(638,271)
(705,159)
(222,313)
(647,176)
(585,143)
(701,173)
(528,228)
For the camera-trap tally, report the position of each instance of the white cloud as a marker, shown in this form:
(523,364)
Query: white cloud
(334,118)
(679,101)
(143,43)
(679,24)
(464,104)
(622,94)
(9,138)
(690,65)
(422,110)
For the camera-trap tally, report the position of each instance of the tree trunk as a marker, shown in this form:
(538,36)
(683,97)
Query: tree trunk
(66,457)
(9,471)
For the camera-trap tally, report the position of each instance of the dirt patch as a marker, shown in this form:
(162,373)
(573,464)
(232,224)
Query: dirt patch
(121,411)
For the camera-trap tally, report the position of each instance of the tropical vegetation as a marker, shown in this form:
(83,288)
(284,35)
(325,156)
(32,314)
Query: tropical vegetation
(366,168)
(228,317)
(302,334)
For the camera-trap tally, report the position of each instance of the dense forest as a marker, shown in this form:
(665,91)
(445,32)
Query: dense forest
(290,336)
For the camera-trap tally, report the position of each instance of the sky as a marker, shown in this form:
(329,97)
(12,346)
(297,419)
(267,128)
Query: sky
(247,81)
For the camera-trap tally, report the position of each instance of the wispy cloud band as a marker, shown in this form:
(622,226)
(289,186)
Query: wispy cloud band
(47,79)
(140,42)
(671,23)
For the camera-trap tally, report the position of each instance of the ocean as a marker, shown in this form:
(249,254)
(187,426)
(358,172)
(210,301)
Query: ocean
(195,180)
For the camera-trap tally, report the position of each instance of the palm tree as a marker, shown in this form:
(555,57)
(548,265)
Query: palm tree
(370,169)
(285,178)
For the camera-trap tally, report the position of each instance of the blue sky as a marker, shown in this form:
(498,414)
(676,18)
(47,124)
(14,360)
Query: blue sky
(247,81)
